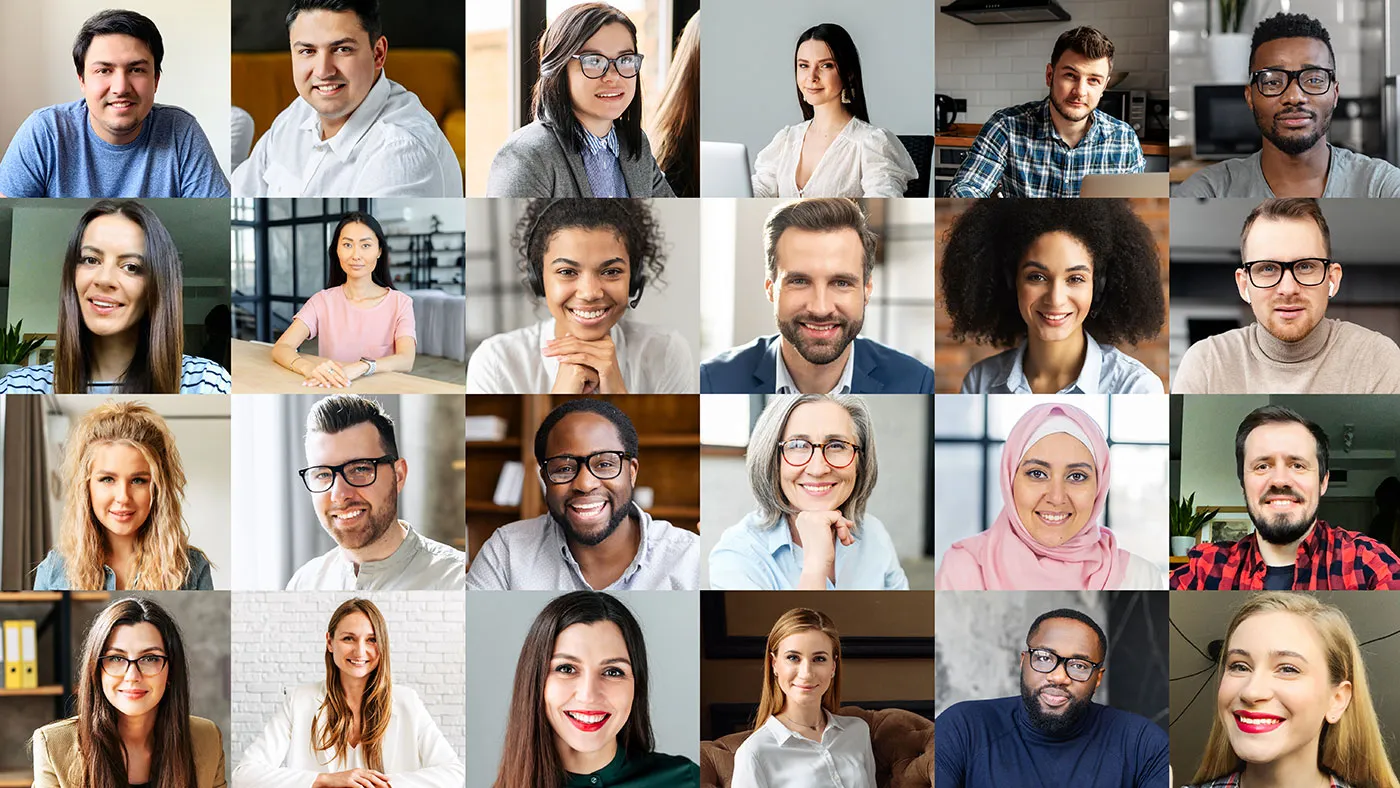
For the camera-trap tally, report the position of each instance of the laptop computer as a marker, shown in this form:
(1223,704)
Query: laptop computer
(1133,184)
(724,170)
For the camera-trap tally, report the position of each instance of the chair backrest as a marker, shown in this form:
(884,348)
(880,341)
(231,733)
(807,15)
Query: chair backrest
(920,147)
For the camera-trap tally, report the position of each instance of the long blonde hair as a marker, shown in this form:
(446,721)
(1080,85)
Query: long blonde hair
(331,728)
(162,542)
(799,619)
(1352,747)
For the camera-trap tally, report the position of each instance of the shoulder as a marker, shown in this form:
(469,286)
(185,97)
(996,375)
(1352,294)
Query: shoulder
(1234,340)
(198,560)
(1352,332)
(745,535)
(989,713)
(400,299)
(748,354)
(1128,376)
(676,767)
(29,380)
(871,526)
(173,117)
(787,134)
(307,576)
(309,694)
(1229,178)
(202,376)
(1011,116)
(56,735)
(1114,127)
(206,735)
(888,356)
(521,343)
(408,699)
(988,372)
(324,297)
(532,137)
(1142,575)
(440,550)
(55,117)
(1127,723)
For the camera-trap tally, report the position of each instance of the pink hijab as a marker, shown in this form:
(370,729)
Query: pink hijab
(1006,557)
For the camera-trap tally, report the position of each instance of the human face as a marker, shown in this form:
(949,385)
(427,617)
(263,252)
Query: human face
(1055,287)
(820,293)
(804,666)
(354,647)
(1054,488)
(599,102)
(1276,692)
(587,276)
(1281,484)
(355,517)
(334,64)
(817,486)
(111,275)
(1076,84)
(120,488)
(133,694)
(1293,121)
(818,75)
(1054,701)
(119,83)
(1287,310)
(589,508)
(358,250)
(588,694)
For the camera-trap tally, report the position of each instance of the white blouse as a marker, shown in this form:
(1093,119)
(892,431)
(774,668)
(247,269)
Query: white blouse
(416,755)
(863,161)
(775,757)
(652,361)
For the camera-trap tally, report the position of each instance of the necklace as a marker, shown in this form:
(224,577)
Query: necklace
(814,728)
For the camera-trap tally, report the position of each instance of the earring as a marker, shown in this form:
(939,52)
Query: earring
(846,96)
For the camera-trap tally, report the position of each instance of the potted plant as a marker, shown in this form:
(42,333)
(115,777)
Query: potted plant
(14,351)
(1229,46)
(1186,523)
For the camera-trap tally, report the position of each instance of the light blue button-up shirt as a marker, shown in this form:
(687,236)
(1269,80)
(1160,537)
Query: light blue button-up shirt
(52,575)
(756,554)
(1106,370)
(602,167)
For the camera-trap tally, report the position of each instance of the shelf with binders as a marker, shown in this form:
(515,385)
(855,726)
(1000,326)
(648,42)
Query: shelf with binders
(428,261)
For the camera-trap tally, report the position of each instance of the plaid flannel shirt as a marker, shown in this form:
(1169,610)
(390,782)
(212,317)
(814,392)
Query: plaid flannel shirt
(1232,780)
(1020,154)
(1328,559)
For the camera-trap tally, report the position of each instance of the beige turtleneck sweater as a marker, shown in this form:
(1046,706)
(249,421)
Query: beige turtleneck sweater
(1335,358)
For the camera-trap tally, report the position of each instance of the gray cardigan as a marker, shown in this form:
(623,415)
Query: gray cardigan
(534,162)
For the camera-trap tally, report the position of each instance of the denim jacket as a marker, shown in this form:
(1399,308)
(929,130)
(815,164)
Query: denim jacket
(52,574)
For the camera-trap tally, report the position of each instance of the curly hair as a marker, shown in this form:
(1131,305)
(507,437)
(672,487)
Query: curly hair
(632,220)
(1283,25)
(984,248)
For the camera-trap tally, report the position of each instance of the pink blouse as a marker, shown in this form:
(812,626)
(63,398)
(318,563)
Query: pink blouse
(349,333)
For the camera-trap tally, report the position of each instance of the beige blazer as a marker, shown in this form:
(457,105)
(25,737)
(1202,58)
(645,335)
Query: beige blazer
(57,763)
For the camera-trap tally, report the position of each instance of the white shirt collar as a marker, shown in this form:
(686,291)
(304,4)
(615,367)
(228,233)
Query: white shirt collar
(551,364)
(357,125)
(783,382)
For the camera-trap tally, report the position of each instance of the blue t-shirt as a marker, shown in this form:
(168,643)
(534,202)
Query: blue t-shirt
(57,154)
(992,743)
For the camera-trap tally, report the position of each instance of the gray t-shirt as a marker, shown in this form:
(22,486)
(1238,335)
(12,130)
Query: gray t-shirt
(1351,175)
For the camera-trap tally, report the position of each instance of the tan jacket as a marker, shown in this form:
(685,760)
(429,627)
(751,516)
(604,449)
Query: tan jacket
(57,763)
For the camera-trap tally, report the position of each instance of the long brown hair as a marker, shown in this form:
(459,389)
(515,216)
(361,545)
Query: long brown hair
(675,129)
(551,100)
(799,619)
(331,729)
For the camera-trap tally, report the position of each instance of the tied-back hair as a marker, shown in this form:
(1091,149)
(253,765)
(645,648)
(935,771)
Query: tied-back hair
(550,99)
(155,368)
(162,542)
(764,457)
(843,51)
(675,129)
(332,726)
(1352,747)
(799,619)
(335,275)
(529,758)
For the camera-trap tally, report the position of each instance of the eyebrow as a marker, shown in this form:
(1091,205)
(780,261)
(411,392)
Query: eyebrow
(577,264)
(1084,657)
(799,653)
(627,51)
(612,661)
(100,471)
(365,238)
(1272,653)
(1077,70)
(1042,463)
(829,436)
(123,256)
(818,60)
(111,650)
(1289,457)
(1306,66)
(335,43)
(137,62)
(1043,267)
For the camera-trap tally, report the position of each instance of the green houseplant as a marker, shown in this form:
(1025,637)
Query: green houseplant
(14,351)
(1228,45)
(1186,523)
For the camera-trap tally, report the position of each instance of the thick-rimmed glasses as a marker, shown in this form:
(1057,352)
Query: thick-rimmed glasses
(356,473)
(838,454)
(596,66)
(116,666)
(603,465)
(1273,81)
(1308,272)
(1043,660)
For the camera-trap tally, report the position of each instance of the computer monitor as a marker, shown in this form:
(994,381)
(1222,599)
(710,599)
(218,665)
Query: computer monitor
(724,170)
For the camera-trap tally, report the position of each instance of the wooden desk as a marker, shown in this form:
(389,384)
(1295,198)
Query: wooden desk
(254,372)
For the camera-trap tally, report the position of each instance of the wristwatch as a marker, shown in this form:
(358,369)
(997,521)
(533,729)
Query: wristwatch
(371,364)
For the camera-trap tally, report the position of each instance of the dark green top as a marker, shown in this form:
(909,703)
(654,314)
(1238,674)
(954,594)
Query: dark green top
(652,770)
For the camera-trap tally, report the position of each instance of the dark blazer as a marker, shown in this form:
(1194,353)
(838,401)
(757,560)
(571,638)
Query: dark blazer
(534,162)
(752,369)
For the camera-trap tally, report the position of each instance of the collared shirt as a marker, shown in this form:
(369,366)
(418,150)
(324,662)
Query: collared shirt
(390,146)
(1232,780)
(642,770)
(652,360)
(52,574)
(1329,558)
(1020,154)
(776,757)
(534,555)
(1106,370)
(784,384)
(420,564)
(602,166)
(758,554)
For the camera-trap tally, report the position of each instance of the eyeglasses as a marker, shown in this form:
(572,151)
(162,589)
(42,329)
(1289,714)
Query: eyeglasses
(1309,271)
(1043,660)
(356,473)
(596,66)
(603,465)
(1273,81)
(116,666)
(838,454)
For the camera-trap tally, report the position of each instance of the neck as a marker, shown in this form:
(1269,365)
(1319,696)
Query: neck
(137,732)
(111,355)
(1312,162)
(332,126)
(111,139)
(361,288)
(576,762)
(598,127)
(813,378)
(1071,131)
(1282,554)
(1051,366)
(809,715)
(354,689)
(1297,769)
(603,563)
(831,116)
(379,549)
(120,548)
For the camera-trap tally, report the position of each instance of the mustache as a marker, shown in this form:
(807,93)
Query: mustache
(834,317)
(1275,492)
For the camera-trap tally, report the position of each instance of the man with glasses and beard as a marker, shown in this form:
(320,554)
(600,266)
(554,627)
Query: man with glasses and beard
(355,474)
(1292,92)
(1054,734)
(1281,459)
(594,536)
(820,255)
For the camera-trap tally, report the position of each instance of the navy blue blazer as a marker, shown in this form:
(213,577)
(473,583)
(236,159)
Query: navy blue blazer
(752,369)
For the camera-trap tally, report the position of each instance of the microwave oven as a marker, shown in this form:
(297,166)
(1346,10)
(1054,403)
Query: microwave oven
(1224,124)
(1129,106)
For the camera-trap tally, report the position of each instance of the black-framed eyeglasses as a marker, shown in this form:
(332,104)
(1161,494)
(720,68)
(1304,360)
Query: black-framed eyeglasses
(603,465)
(1308,272)
(1273,81)
(1043,660)
(596,66)
(356,473)
(116,666)
(799,451)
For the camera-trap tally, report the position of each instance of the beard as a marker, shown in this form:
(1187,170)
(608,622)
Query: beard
(377,521)
(1292,145)
(1053,724)
(560,515)
(1280,528)
(1066,113)
(817,351)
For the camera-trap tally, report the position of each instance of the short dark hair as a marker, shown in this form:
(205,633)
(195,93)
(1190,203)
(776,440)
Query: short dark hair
(366,10)
(1072,615)
(550,98)
(117,22)
(625,430)
(843,50)
(1084,41)
(1283,25)
(820,215)
(340,412)
(630,219)
(1296,208)
(335,275)
(1277,414)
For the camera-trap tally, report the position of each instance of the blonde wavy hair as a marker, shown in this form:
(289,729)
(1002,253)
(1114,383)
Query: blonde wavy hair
(1352,747)
(331,728)
(162,542)
(799,619)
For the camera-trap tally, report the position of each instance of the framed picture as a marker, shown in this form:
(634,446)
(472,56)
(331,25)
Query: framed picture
(43,354)
(1229,525)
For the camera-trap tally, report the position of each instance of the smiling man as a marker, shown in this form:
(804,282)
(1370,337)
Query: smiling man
(594,536)
(115,141)
(1281,460)
(1287,277)
(820,254)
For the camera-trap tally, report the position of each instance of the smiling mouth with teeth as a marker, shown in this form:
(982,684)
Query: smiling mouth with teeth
(588,314)
(1054,518)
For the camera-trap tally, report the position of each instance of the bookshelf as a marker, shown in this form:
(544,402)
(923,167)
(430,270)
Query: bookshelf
(429,261)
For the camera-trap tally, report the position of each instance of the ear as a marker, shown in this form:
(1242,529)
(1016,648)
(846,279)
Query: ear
(328,642)
(1049,73)
(869,287)
(400,473)
(633,465)
(381,52)
(1341,700)
(1334,279)
(1098,680)
(1322,489)
(768,289)
(1242,283)
(1249,96)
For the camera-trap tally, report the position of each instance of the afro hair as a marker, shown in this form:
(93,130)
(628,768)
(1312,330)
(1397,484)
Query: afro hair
(1283,25)
(631,220)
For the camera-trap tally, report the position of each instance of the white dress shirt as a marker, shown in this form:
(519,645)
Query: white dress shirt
(775,757)
(863,161)
(420,564)
(652,361)
(390,146)
(784,384)
(416,754)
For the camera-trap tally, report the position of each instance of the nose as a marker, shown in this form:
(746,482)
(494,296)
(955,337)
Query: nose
(1058,492)
(818,466)
(341,489)
(588,286)
(119,83)
(105,276)
(1289,283)
(588,687)
(130,667)
(1258,687)
(123,492)
(321,65)
(585,481)
(1058,290)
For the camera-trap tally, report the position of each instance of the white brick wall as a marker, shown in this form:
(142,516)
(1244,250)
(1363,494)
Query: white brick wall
(278,638)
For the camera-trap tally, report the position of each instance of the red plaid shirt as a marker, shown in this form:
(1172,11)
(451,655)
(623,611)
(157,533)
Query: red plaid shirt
(1328,559)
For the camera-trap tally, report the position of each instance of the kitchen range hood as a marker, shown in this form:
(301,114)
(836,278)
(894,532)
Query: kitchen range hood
(1005,12)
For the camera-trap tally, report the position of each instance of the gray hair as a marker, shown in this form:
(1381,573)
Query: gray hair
(819,215)
(763,457)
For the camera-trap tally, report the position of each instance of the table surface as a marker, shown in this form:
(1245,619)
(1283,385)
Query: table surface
(254,372)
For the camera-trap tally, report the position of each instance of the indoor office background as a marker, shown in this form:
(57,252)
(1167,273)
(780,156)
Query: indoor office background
(279,530)
(1205,253)
(901,498)
(969,434)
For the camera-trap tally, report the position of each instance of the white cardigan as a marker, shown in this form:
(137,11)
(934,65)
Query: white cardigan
(416,755)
